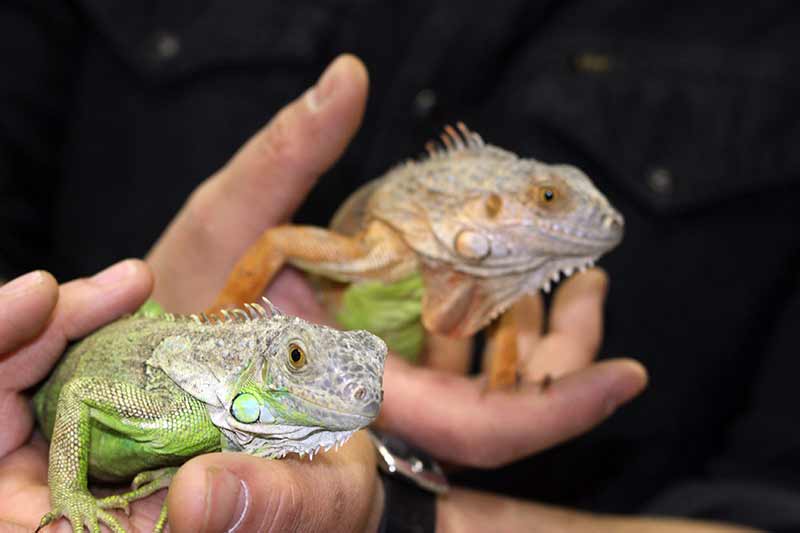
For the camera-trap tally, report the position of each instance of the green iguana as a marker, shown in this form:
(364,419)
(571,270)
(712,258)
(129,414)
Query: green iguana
(448,242)
(142,395)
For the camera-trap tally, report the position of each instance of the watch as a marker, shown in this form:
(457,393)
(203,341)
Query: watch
(411,481)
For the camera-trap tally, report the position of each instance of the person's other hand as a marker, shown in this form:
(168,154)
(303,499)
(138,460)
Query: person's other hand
(455,418)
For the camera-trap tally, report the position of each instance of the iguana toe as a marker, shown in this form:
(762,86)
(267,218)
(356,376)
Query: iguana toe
(83,511)
(162,519)
(117,501)
(47,519)
(160,476)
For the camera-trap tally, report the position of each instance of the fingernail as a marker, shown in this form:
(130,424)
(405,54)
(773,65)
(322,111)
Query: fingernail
(227,500)
(115,273)
(22,285)
(321,92)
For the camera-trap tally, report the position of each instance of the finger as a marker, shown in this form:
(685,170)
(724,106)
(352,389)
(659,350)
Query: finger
(575,327)
(578,308)
(452,418)
(83,306)
(25,306)
(261,186)
(530,321)
(226,492)
(447,354)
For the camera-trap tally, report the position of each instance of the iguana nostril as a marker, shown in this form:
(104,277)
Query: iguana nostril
(610,221)
(360,393)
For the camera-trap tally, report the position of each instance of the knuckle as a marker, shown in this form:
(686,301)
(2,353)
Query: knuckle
(285,508)
(200,206)
(280,144)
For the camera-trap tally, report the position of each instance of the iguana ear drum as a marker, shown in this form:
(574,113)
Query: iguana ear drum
(472,245)
(245,408)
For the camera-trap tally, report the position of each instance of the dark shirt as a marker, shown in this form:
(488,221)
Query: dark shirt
(685,114)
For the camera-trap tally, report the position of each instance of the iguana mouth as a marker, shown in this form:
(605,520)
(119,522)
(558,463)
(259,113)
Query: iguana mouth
(562,272)
(282,440)
(276,440)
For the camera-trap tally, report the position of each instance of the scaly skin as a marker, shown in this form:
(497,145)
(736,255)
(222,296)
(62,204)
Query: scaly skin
(478,225)
(142,395)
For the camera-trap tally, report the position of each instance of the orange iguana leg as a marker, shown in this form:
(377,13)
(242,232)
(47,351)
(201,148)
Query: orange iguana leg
(261,262)
(501,356)
(377,253)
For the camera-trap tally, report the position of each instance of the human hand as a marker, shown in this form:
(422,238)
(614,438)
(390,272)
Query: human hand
(455,418)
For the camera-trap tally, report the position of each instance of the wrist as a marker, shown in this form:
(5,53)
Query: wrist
(411,480)
(407,508)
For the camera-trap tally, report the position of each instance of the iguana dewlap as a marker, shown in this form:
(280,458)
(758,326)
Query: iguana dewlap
(481,226)
(147,392)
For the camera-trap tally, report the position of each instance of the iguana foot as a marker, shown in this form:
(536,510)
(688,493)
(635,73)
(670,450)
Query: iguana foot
(82,510)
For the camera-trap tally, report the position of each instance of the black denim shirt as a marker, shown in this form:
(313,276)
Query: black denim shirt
(686,115)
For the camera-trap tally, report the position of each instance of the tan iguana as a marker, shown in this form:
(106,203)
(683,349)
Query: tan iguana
(454,239)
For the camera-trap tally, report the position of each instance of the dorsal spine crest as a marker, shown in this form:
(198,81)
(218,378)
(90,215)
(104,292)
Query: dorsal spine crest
(454,140)
(251,311)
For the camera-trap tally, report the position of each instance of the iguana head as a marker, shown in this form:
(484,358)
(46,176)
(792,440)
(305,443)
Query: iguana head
(489,226)
(276,384)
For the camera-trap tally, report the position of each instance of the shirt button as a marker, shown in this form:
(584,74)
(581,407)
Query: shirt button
(424,103)
(660,181)
(165,46)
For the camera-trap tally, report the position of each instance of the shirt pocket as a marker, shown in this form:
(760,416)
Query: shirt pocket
(678,126)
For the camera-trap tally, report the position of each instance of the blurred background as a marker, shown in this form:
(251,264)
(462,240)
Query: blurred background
(685,114)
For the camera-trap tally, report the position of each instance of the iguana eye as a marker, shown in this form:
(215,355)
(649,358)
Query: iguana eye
(547,194)
(297,356)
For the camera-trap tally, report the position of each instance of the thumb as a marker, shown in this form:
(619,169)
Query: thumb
(261,186)
(239,492)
